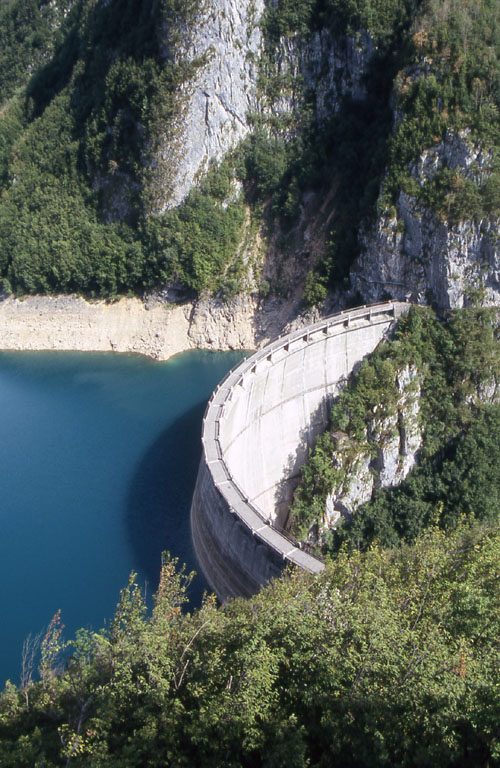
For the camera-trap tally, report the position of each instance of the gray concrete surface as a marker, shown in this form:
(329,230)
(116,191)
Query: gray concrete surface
(258,427)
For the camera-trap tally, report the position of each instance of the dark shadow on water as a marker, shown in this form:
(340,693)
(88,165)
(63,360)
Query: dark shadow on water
(159,500)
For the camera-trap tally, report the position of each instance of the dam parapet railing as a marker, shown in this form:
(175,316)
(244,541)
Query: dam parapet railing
(235,497)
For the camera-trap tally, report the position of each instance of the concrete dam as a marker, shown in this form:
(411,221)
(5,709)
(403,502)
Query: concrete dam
(257,430)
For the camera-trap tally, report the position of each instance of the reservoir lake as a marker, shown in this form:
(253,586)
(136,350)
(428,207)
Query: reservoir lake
(98,461)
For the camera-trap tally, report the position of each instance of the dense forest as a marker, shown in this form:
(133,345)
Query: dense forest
(391,658)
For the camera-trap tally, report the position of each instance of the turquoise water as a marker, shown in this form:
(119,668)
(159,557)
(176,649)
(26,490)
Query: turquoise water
(98,460)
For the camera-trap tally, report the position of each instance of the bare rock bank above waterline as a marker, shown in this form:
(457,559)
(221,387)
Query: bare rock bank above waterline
(151,327)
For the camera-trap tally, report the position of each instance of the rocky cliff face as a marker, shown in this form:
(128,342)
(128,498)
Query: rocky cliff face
(384,458)
(154,327)
(335,67)
(417,254)
(413,252)
(227,42)
(227,39)
(322,69)
(306,79)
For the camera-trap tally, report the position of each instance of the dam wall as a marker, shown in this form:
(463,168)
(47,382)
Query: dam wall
(257,430)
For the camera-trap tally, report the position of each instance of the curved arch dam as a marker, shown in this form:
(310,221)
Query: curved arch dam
(258,427)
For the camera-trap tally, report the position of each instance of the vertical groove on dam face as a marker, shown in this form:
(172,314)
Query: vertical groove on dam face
(258,427)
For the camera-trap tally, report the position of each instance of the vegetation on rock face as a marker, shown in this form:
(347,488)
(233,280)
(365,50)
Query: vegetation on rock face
(389,658)
(88,90)
(433,77)
(453,86)
(350,145)
(457,472)
(74,158)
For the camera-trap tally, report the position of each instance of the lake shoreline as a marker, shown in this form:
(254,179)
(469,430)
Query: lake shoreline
(153,327)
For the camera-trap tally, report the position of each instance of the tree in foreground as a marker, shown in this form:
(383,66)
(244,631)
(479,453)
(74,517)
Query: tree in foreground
(389,658)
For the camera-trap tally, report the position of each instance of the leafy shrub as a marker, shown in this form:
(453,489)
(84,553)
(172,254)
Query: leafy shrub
(314,290)
(386,658)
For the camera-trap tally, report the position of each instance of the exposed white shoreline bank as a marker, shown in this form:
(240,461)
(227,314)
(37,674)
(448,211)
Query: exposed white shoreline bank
(153,328)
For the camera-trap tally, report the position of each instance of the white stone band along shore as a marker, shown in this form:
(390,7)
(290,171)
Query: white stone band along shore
(258,427)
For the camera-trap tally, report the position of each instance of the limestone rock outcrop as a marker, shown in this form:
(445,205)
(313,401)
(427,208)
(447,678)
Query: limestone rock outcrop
(417,254)
(226,44)
(154,327)
(326,67)
(215,104)
(384,458)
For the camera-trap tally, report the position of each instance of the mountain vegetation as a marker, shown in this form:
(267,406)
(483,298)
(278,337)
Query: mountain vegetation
(434,73)
(457,473)
(76,136)
(88,90)
(388,659)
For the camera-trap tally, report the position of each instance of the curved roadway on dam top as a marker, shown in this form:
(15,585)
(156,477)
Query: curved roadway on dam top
(258,427)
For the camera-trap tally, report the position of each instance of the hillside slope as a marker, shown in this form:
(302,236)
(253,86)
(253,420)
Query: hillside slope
(298,148)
